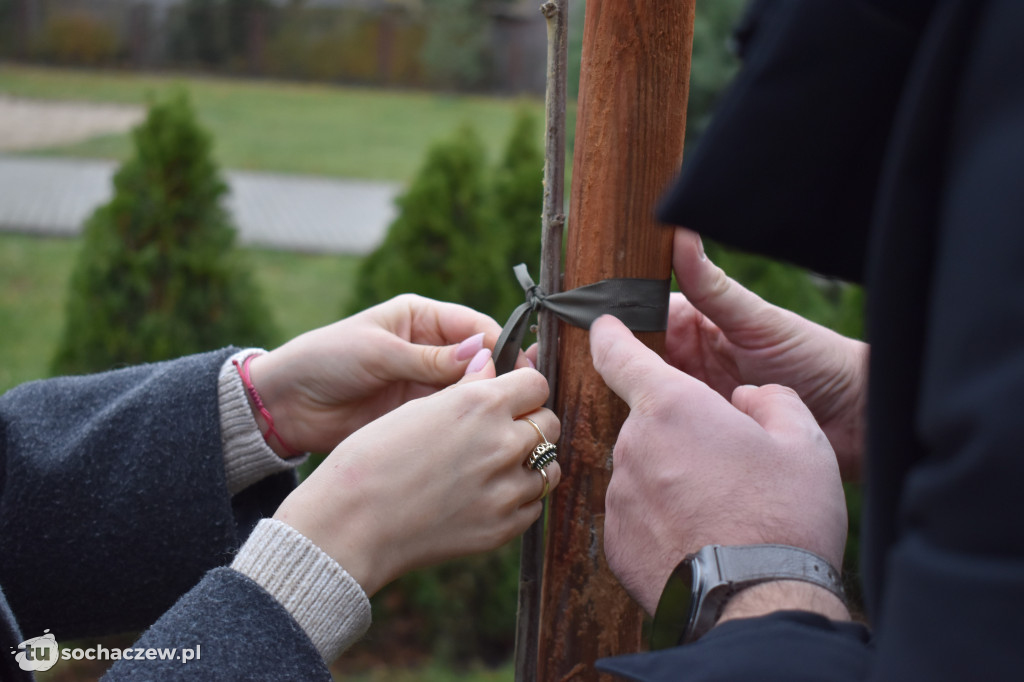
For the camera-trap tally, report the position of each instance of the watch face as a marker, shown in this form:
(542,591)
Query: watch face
(676,606)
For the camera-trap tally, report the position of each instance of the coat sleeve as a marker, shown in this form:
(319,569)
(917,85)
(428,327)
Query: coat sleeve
(787,646)
(955,573)
(113,501)
(226,628)
(797,141)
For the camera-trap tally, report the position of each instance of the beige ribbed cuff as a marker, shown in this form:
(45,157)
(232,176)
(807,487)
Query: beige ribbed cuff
(247,457)
(321,596)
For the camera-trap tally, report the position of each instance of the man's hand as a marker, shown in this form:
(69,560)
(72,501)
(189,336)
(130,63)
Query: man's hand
(726,336)
(693,468)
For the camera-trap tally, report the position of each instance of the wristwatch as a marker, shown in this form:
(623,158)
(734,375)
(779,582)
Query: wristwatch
(699,588)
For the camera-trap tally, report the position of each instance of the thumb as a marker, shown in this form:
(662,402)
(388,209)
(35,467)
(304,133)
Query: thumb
(626,365)
(480,367)
(437,365)
(719,297)
(778,409)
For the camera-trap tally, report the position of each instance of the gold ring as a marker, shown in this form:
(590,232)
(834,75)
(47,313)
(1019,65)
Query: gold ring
(543,438)
(547,485)
(542,455)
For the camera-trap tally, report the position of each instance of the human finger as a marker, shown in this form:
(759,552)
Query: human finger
(439,323)
(778,409)
(435,365)
(532,353)
(537,485)
(719,297)
(545,426)
(628,366)
(520,391)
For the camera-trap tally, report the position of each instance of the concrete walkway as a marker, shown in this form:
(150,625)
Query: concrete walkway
(299,213)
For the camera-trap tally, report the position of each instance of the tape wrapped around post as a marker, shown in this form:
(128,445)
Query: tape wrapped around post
(641,305)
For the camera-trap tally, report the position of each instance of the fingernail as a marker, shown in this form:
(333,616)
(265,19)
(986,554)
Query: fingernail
(469,347)
(479,361)
(700,249)
(530,363)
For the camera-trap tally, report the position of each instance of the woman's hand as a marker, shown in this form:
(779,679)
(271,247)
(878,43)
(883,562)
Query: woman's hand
(324,385)
(726,336)
(440,477)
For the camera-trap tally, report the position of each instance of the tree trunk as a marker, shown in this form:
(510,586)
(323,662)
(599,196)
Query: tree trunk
(629,142)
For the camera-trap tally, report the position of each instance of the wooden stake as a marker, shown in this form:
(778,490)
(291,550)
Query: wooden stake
(629,142)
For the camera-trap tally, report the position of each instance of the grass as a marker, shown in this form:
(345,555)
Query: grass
(286,127)
(257,126)
(33,285)
(303,291)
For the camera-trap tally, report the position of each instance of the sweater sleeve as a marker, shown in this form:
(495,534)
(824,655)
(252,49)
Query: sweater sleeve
(282,612)
(247,457)
(113,495)
(320,595)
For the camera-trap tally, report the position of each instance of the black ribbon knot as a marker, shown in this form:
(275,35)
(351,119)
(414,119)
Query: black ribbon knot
(641,304)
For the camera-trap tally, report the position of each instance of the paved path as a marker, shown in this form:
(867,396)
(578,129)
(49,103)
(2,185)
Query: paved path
(301,213)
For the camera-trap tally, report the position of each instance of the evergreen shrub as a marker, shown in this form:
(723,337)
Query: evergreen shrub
(444,243)
(462,226)
(158,275)
(518,196)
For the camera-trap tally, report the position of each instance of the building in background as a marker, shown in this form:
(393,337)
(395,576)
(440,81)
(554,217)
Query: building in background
(494,46)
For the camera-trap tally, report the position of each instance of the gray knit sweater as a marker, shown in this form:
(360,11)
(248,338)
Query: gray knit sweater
(124,496)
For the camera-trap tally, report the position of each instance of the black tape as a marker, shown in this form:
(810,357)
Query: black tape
(641,305)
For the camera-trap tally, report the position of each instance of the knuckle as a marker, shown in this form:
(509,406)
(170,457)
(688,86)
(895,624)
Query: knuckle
(548,422)
(482,396)
(718,285)
(535,383)
(782,391)
(513,447)
(409,299)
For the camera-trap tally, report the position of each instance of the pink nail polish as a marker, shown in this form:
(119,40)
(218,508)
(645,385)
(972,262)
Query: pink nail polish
(469,347)
(530,363)
(479,361)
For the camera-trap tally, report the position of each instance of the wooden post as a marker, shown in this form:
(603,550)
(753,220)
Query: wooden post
(629,142)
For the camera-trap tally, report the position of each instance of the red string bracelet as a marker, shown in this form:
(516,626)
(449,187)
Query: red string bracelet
(243,371)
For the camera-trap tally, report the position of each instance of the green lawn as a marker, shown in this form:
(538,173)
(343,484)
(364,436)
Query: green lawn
(258,126)
(303,291)
(286,127)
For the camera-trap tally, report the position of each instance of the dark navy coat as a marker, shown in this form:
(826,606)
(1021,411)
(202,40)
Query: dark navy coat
(883,142)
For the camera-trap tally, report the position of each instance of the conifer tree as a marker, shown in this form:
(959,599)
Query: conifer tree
(158,275)
(443,244)
(518,195)
(461,228)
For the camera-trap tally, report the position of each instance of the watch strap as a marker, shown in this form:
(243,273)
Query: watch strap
(699,588)
(745,565)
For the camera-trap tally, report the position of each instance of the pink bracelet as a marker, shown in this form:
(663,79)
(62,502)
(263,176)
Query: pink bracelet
(243,371)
